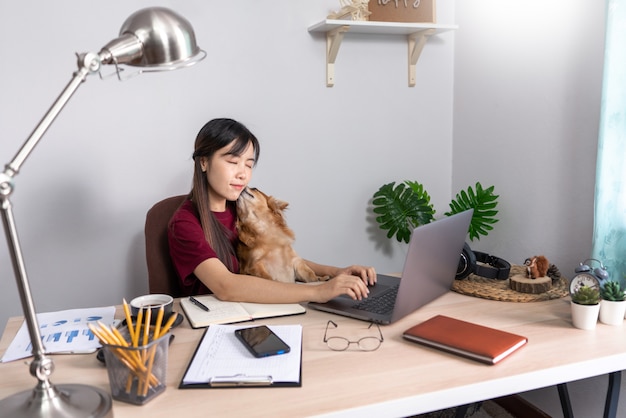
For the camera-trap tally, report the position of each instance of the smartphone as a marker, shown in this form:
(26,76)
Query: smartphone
(261,341)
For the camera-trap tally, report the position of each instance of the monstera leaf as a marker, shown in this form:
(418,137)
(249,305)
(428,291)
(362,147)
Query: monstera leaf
(484,203)
(403,207)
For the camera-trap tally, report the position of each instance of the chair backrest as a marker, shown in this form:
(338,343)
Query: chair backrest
(162,277)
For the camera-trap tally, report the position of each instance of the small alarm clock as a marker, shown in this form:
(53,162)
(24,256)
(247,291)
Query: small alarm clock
(586,277)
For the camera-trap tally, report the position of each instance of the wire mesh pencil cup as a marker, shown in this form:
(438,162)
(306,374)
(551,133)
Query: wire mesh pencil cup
(137,374)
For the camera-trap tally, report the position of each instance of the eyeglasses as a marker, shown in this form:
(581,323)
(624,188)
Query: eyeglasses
(341,344)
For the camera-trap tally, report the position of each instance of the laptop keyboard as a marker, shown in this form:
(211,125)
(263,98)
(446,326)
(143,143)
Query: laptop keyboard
(380,304)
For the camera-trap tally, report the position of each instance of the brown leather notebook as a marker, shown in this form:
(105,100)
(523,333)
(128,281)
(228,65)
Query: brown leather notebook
(467,339)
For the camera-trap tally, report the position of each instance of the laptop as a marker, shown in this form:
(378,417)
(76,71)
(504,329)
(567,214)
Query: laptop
(429,271)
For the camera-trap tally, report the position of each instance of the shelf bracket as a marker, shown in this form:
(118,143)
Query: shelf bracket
(416,43)
(333,41)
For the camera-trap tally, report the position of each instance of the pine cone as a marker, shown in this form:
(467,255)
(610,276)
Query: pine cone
(553,272)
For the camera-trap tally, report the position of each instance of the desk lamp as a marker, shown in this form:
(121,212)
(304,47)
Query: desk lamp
(151,39)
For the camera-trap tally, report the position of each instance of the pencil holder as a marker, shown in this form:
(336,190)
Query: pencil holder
(137,374)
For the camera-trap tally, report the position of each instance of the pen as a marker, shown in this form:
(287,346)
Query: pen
(198,303)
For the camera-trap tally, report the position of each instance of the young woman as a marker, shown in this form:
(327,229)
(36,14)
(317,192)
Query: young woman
(202,234)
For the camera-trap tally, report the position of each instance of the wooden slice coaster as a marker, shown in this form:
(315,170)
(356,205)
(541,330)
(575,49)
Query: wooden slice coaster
(524,284)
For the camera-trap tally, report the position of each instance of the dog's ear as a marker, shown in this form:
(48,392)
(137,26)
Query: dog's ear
(276,205)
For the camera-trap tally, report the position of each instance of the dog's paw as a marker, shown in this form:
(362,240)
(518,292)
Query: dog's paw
(323,278)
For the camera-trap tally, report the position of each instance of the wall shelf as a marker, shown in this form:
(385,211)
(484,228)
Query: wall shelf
(416,34)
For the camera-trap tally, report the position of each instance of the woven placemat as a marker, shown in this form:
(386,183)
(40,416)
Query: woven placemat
(494,289)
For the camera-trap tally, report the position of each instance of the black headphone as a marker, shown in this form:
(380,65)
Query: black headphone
(492,267)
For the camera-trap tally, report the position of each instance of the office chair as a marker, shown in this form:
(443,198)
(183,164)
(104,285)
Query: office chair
(162,277)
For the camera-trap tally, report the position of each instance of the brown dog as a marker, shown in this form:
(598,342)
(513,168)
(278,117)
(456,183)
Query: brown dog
(265,239)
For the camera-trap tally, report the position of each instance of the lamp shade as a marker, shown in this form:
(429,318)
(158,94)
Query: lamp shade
(154,38)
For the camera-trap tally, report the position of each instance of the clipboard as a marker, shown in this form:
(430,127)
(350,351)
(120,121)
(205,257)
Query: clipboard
(221,361)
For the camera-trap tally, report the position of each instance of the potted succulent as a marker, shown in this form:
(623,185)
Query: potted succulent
(613,305)
(403,207)
(585,307)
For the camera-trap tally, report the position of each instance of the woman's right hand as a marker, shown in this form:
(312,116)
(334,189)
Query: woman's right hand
(343,284)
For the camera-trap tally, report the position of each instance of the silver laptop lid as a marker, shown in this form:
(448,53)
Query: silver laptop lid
(431,262)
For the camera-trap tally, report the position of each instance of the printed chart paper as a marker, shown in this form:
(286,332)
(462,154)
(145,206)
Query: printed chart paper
(61,332)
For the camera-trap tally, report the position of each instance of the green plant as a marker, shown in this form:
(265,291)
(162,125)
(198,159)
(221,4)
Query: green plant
(612,290)
(403,207)
(586,295)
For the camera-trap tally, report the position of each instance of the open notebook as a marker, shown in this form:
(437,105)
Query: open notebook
(221,312)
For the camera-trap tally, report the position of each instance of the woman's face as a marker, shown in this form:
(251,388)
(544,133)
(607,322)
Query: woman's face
(227,175)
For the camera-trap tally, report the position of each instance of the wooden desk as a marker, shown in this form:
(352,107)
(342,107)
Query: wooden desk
(399,379)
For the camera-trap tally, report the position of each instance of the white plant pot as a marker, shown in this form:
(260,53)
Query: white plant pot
(612,312)
(585,316)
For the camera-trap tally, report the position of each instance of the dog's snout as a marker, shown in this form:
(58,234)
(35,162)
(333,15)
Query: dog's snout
(247,193)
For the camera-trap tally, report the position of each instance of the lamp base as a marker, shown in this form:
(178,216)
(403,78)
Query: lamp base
(66,401)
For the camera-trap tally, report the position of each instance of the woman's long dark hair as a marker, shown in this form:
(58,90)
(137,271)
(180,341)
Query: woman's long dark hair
(214,135)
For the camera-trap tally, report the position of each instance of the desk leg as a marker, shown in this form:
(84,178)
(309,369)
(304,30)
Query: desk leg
(566,405)
(612,394)
(461,411)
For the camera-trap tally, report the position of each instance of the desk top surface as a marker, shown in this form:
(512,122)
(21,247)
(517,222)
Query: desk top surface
(400,378)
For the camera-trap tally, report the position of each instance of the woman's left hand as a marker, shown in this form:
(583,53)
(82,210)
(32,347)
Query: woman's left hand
(367,274)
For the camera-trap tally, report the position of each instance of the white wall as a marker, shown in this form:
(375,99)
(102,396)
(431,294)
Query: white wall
(527,94)
(528,79)
(118,147)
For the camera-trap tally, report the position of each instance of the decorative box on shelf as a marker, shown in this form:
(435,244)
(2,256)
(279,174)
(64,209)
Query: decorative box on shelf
(422,11)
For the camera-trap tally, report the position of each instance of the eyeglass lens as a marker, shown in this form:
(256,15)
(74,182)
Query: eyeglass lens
(368,343)
(341,343)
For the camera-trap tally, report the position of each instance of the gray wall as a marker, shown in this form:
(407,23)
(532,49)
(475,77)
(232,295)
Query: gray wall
(511,98)
(527,89)
(118,147)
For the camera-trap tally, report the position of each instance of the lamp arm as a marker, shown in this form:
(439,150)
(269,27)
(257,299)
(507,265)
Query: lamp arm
(42,366)
(87,64)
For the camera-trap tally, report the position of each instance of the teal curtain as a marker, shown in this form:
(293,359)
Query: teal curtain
(609,235)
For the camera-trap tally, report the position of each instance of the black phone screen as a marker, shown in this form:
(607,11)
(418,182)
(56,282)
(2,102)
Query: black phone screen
(261,341)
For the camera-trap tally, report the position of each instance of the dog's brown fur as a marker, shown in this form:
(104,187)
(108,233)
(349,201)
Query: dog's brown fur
(265,239)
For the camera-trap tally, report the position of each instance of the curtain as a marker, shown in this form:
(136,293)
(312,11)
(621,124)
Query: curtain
(609,234)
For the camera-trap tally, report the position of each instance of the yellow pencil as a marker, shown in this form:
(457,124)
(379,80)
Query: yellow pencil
(168,325)
(138,327)
(157,329)
(146,327)
(97,333)
(158,323)
(131,332)
(120,338)
(110,336)
(129,319)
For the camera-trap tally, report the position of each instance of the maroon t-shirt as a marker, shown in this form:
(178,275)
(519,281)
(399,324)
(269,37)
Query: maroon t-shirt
(189,248)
